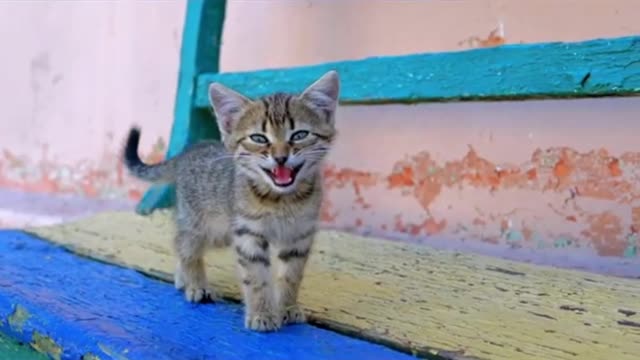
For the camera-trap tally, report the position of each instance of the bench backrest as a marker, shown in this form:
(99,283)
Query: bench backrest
(603,67)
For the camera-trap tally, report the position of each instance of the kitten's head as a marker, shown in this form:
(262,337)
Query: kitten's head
(280,139)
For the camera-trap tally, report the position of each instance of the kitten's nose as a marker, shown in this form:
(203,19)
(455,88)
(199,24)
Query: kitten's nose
(280,160)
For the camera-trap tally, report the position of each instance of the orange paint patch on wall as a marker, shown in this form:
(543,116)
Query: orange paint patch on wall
(428,227)
(358,180)
(606,234)
(562,170)
(402,178)
(327,213)
(614,167)
(527,232)
(105,178)
(594,174)
(494,38)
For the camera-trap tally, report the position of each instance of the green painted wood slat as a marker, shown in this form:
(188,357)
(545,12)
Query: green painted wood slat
(601,67)
(199,53)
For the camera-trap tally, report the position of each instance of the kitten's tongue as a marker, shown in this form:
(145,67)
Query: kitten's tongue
(281,175)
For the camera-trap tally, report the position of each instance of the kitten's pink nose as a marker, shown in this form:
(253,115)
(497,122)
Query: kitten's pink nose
(280,160)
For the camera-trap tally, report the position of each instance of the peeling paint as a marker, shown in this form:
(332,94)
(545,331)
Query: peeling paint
(103,178)
(46,345)
(18,318)
(496,37)
(587,200)
(574,187)
(112,353)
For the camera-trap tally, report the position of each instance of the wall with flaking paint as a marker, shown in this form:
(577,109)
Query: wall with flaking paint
(504,178)
(515,176)
(77,75)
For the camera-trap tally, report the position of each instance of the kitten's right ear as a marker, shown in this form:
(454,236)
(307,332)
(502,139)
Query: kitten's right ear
(226,105)
(323,94)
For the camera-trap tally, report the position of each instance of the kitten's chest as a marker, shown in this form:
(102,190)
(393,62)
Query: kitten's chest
(285,226)
(281,228)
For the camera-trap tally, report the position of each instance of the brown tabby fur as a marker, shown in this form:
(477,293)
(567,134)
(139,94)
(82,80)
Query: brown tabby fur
(225,195)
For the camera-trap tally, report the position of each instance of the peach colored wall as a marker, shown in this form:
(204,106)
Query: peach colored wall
(561,176)
(280,33)
(77,74)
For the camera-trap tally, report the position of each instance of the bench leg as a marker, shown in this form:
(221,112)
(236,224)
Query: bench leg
(199,53)
(156,197)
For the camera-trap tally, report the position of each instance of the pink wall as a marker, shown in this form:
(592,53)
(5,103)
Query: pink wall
(80,73)
(505,178)
(279,33)
(497,177)
(77,75)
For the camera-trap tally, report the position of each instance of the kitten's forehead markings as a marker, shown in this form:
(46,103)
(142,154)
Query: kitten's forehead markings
(287,114)
(265,103)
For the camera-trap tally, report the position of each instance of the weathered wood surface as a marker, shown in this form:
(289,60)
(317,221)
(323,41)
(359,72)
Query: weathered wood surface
(458,305)
(11,350)
(72,308)
(590,68)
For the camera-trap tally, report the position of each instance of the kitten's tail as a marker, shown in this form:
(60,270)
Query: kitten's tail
(161,172)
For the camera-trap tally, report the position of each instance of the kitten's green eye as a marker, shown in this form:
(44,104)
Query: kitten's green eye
(299,135)
(259,139)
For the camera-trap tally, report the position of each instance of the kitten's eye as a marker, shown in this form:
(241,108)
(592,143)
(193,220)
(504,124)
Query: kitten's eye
(259,139)
(299,135)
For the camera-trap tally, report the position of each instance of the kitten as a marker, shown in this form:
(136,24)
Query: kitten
(259,189)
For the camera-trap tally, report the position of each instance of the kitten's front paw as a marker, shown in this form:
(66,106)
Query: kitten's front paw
(262,322)
(294,315)
(178,281)
(200,294)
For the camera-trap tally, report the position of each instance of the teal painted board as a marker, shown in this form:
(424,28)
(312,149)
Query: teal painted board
(200,52)
(601,67)
(13,350)
(591,68)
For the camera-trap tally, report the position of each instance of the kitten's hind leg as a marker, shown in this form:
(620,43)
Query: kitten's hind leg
(190,271)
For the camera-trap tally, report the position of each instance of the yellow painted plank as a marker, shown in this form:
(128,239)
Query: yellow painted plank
(415,297)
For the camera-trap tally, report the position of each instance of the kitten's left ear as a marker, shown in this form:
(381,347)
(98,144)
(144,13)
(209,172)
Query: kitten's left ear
(227,105)
(323,94)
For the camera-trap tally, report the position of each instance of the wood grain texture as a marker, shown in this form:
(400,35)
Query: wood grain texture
(591,68)
(71,308)
(458,305)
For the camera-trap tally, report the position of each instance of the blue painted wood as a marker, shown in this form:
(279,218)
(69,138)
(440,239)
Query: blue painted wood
(591,68)
(200,52)
(87,307)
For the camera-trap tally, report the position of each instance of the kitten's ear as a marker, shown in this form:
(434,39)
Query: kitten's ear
(226,104)
(323,94)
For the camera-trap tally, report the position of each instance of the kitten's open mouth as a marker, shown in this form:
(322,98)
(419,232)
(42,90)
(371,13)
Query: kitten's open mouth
(283,176)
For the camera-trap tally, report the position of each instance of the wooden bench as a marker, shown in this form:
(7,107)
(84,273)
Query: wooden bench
(434,304)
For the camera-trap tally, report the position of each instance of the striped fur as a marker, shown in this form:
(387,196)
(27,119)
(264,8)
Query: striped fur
(229,193)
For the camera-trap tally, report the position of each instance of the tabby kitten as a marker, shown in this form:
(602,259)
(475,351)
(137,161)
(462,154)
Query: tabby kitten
(259,190)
